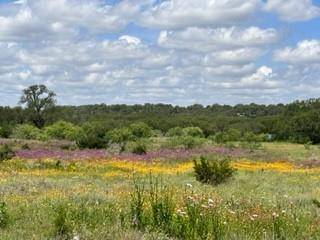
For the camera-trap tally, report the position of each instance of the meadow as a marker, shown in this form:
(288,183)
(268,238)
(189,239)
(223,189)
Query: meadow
(91,194)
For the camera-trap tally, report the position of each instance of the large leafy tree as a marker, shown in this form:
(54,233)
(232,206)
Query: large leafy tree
(38,98)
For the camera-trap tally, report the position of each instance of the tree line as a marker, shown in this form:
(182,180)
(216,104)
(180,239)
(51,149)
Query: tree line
(298,121)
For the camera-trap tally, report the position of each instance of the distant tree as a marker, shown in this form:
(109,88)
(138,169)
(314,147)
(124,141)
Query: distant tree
(38,98)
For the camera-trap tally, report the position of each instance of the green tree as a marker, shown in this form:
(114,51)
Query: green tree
(38,98)
(120,136)
(62,130)
(141,130)
(92,135)
(176,131)
(193,132)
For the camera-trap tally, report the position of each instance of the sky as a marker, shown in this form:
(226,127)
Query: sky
(179,52)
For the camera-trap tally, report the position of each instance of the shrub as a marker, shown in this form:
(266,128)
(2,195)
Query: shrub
(190,142)
(175,132)
(233,135)
(6,153)
(29,132)
(193,132)
(120,136)
(92,135)
(140,130)
(219,138)
(62,130)
(5,131)
(1,132)
(139,148)
(213,170)
(4,216)
(251,141)
(186,142)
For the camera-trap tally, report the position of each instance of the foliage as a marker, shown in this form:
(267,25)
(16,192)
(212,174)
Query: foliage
(213,170)
(6,152)
(233,135)
(297,121)
(120,136)
(186,142)
(140,130)
(38,98)
(92,135)
(29,132)
(219,138)
(193,132)
(4,215)
(306,127)
(2,134)
(5,131)
(139,147)
(62,130)
(175,132)
(251,141)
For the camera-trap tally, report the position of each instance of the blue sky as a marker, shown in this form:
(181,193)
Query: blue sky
(175,51)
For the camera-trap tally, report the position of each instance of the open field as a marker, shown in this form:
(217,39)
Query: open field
(266,199)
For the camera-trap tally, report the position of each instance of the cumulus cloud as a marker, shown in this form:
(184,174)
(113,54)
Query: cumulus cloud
(173,14)
(306,51)
(39,20)
(207,39)
(188,51)
(262,78)
(293,10)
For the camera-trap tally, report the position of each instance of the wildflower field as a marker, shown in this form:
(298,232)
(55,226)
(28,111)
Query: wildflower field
(47,194)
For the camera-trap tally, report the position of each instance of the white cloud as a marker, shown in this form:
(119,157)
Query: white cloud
(130,39)
(205,52)
(263,78)
(293,10)
(237,56)
(45,20)
(306,51)
(174,14)
(207,39)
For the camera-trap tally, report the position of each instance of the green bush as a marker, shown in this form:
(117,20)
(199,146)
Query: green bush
(193,132)
(139,148)
(1,132)
(62,130)
(92,135)
(140,130)
(251,141)
(186,142)
(120,136)
(175,132)
(213,170)
(6,153)
(233,135)
(219,138)
(5,131)
(29,132)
